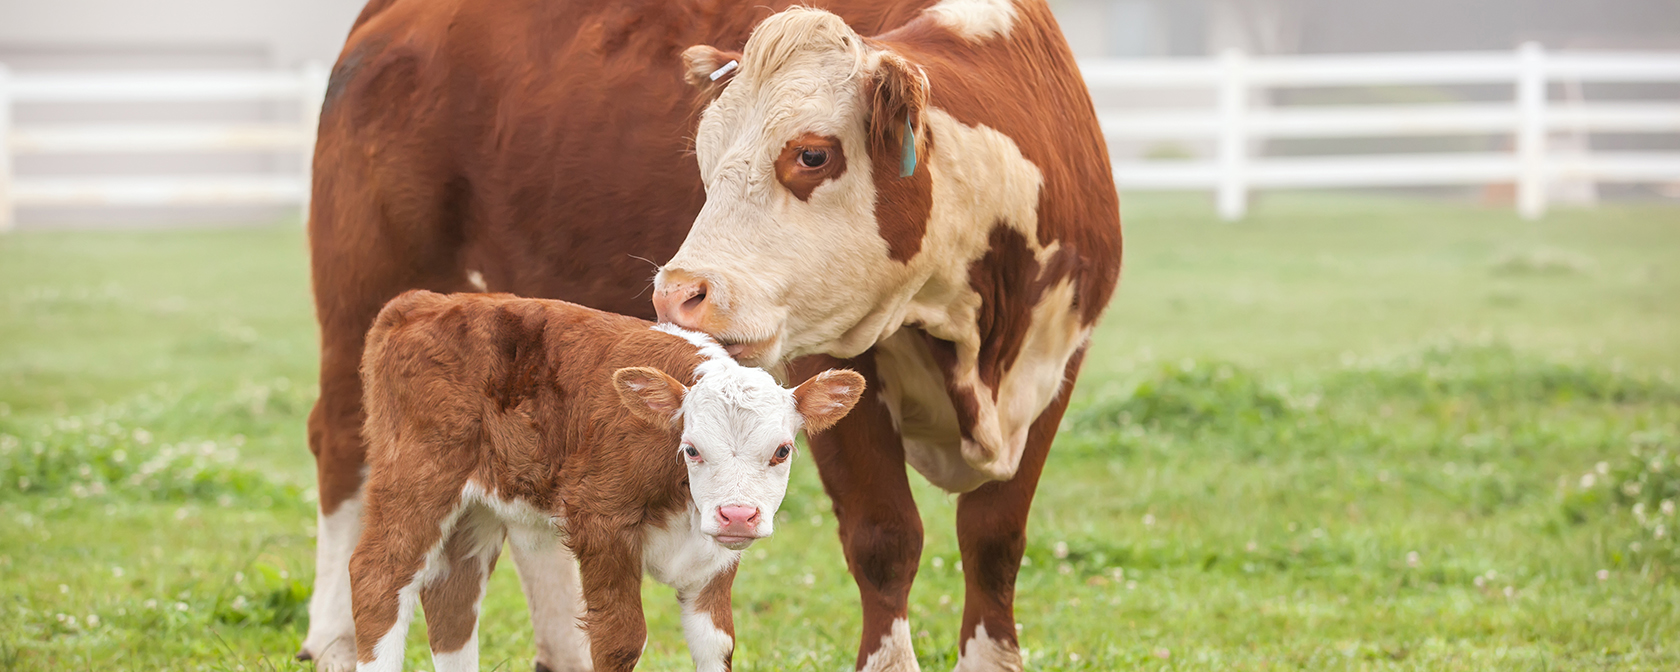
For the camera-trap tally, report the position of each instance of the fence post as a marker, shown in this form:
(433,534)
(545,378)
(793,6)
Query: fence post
(313,93)
(1533,175)
(1233,135)
(8,207)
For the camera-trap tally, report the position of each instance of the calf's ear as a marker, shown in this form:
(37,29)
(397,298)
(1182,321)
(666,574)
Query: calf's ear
(827,397)
(708,68)
(649,393)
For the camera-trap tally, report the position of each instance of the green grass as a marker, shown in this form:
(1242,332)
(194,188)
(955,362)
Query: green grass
(1350,433)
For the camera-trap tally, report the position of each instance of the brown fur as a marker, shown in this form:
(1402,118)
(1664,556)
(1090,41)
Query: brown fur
(896,97)
(515,396)
(800,180)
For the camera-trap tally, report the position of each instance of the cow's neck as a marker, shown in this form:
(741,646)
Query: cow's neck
(997,301)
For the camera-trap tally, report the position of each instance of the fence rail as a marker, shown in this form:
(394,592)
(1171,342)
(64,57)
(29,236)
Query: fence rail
(1235,125)
(305,87)
(1232,124)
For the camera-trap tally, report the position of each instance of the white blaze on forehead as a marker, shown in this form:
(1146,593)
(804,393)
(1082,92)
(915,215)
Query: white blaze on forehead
(975,20)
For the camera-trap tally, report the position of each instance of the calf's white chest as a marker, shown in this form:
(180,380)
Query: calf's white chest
(676,553)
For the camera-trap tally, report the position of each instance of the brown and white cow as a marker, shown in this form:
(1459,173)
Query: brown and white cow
(936,202)
(490,416)
(542,149)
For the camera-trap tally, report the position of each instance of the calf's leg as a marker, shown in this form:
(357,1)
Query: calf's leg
(400,553)
(708,624)
(452,599)
(861,462)
(610,565)
(992,534)
(549,576)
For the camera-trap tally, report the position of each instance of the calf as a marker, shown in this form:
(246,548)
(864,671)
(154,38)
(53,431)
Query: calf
(490,416)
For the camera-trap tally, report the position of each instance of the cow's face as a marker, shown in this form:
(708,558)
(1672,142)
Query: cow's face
(737,438)
(814,202)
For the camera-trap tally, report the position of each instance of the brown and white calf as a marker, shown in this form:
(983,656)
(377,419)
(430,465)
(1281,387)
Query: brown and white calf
(491,416)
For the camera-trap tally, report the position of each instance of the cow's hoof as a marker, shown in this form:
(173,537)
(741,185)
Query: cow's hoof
(542,668)
(303,655)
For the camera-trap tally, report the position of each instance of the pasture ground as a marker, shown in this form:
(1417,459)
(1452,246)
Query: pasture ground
(1350,433)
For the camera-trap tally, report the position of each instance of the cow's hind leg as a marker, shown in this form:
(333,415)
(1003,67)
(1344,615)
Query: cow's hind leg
(992,534)
(549,576)
(861,462)
(453,598)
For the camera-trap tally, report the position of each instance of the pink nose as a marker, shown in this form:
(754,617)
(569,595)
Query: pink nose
(739,521)
(682,300)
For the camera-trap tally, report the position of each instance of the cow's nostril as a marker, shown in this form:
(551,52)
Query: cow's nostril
(693,302)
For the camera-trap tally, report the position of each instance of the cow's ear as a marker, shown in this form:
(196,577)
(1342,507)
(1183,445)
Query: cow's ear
(650,394)
(897,95)
(708,68)
(827,397)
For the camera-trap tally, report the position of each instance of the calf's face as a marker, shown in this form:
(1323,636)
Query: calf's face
(737,438)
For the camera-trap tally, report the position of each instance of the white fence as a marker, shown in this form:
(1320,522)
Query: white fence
(305,86)
(1232,123)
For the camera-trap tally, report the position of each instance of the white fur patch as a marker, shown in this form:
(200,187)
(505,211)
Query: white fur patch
(896,653)
(975,20)
(708,645)
(476,279)
(332,625)
(677,554)
(463,660)
(981,653)
(716,356)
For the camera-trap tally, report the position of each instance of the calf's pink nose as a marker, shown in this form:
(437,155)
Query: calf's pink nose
(738,520)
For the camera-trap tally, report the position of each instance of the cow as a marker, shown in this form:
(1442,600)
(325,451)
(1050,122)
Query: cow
(490,415)
(555,150)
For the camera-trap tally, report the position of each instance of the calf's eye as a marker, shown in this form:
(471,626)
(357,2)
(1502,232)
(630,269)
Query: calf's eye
(782,454)
(813,158)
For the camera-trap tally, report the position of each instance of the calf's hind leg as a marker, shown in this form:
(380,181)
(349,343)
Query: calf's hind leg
(400,553)
(452,598)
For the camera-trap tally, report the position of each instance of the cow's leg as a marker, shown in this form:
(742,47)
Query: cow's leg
(708,625)
(452,599)
(549,575)
(335,428)
(861,461)
(399,553)
(992,534)
(610,567)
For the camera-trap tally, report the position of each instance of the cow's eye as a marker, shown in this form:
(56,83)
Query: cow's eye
(782,454)
(813,158)
(692,452)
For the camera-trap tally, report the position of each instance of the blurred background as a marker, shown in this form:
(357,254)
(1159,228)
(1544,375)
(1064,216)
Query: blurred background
(1389,382)
(186,111)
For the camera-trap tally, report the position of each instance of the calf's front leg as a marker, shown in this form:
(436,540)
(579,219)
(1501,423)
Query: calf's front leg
(610,567)
(708,624)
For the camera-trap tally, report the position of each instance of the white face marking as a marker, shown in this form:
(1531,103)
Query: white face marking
(896,653)
(332,629)
(975,20)
(738,429)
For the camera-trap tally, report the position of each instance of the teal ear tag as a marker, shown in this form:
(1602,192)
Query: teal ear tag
(908,166)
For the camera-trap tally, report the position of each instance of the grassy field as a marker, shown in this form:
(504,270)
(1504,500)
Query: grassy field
(1348,434)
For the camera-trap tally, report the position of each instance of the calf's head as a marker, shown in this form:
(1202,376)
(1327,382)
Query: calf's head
(816,200)
(737,437)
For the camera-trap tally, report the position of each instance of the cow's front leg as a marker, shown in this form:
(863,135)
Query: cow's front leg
(992,534)
(610,567)
(861,461)
(708,624)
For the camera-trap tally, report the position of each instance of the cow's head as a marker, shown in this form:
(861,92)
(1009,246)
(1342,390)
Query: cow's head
(813,155)
(737,438)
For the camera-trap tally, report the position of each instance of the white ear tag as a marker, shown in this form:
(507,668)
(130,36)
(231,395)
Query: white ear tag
(726,69)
